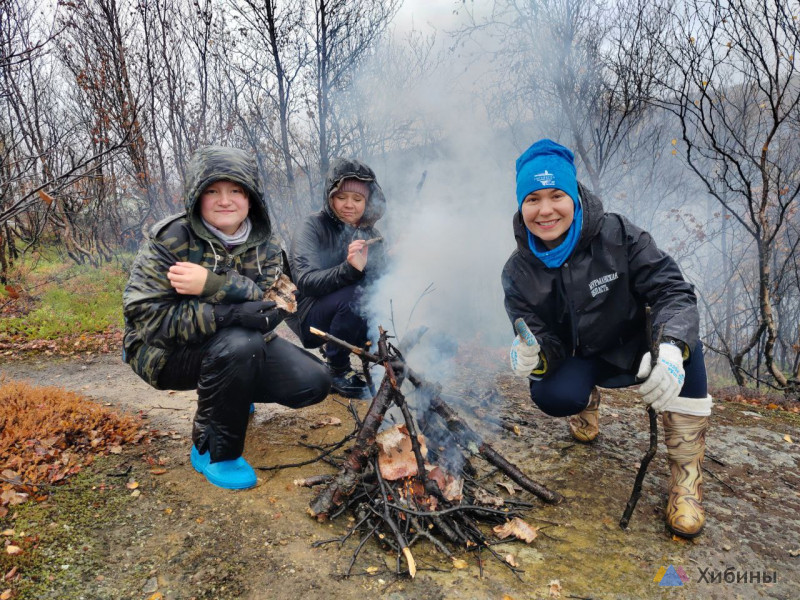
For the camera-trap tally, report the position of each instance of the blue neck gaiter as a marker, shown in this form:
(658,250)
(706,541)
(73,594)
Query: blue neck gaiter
(557,256)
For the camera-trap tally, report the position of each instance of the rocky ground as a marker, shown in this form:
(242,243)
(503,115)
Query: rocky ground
(183,538)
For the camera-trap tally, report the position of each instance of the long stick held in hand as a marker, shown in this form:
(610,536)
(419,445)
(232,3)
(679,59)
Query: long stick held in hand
(651,414)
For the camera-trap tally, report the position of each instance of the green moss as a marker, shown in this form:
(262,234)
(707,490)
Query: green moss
(77,300)
(64,541)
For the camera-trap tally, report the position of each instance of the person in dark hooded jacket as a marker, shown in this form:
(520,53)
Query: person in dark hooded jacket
(195,317)
(332,263)
(576,289)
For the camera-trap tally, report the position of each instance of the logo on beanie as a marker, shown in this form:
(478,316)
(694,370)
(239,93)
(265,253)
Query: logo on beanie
(545,179)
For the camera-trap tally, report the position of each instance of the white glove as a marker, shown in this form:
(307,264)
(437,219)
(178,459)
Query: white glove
(664,382)
(524,350)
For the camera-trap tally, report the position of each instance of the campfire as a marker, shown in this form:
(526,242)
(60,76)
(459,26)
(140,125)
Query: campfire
(414,481)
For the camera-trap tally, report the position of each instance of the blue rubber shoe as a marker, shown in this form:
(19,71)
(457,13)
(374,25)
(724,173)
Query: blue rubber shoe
(252,408)
(229,474)
(199,461)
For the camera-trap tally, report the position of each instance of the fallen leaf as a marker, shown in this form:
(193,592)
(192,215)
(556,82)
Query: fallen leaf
(136,493)
(518,528)
(788,438)
(115,449)
(511,560)
(459,563)
(132,485)
(795,552)
(555,588)
(371,570)
(156,596)
(507,487)
(158,471)
(486,499)
(7,532)
(333,421)
(12,550)
(6,594)
(772,406)
(507,597)
(11,573)
(167,511)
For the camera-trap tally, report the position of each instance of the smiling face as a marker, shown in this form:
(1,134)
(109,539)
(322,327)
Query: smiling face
(548,214)
(349,206)
(224,204)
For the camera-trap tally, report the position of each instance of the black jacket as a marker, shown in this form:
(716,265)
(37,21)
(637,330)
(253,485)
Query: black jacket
(594,303)
(318,254)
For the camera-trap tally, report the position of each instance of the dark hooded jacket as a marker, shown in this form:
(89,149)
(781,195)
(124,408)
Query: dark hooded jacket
(157,318)
(594,304)
(318,255)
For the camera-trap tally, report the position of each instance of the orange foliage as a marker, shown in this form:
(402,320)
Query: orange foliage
(761,398)
(47,434)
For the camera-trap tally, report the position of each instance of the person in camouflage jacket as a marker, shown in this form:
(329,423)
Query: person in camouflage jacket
(333,263)
(195,317)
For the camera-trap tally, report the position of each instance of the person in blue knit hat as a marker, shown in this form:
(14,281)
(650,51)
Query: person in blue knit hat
(576,289)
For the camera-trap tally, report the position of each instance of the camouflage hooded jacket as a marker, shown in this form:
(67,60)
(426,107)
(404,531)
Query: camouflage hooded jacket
(318,255)
(157,318)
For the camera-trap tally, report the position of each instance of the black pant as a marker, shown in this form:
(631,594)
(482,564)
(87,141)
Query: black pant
(338,313)
(233,369)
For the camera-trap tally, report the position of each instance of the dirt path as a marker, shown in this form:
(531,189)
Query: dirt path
(186,539)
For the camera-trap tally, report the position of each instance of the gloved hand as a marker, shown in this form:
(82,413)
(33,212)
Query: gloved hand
(259,314)
(524,350)
(662,383)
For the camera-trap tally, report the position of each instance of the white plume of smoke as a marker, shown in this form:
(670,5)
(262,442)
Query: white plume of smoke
(447,246)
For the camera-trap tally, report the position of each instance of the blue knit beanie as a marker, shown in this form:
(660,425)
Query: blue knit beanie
(546,165)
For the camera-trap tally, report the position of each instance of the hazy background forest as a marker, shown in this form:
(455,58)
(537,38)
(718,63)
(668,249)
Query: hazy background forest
(684,116)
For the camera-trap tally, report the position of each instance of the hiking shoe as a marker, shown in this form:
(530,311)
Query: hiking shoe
(349,385)
(585,426)
(234,474)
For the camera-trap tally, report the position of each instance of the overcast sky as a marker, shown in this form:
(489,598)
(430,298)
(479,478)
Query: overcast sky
(434,14)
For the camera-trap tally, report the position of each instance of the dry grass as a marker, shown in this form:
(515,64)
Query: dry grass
(48,434)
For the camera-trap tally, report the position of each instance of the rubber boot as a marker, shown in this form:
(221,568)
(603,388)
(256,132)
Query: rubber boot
(685,436)
(234,474)
(586,424)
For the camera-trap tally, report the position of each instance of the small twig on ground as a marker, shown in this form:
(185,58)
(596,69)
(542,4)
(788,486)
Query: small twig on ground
(718,478)
(331,450)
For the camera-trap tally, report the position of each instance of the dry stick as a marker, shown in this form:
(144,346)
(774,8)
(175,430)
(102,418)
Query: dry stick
(322,456)
(387,517)
(354,349)
(423,532)
(358,549)
(429,485)
(475,444)
(348,477)
(312,481)
(651,414)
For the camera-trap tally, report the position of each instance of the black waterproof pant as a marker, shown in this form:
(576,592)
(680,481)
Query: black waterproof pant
(233,369)
(339,314)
